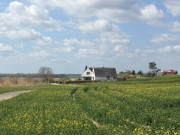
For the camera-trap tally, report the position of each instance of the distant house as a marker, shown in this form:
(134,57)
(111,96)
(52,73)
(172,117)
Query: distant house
(159,73)
(169,72)
(97,73)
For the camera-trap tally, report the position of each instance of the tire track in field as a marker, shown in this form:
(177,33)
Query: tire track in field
(106,126)
(9,95)
(73,96)
(128,120)
(93,121)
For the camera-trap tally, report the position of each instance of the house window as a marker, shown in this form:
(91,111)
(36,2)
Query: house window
(88,73)
(108,77)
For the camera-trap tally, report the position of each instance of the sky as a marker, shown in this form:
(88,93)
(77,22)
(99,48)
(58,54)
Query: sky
(67,35)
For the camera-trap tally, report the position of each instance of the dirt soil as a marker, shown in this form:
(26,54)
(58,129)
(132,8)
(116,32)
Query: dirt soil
(9,95)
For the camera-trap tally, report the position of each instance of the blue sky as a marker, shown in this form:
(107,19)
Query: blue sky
(68,35)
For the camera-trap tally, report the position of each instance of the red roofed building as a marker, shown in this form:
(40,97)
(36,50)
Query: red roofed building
(169,72)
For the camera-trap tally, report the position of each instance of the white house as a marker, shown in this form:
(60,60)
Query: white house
(99,74)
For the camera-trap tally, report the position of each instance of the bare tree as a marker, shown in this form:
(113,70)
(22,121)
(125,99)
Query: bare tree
(46,74)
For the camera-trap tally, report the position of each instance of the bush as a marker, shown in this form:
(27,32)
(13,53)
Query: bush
(71,82)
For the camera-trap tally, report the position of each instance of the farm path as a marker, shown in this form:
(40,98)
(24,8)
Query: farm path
(9,95)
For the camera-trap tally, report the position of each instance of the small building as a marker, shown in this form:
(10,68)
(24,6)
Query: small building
(97,73)
(169,72)
(159,73)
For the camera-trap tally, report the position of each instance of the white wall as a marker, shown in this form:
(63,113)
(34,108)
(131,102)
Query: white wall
(91,75)
(101,78)
(85,73)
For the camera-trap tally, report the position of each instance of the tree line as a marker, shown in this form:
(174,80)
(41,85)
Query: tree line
(133,74)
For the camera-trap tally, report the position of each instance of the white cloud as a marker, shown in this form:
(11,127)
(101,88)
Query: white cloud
(88,8)
(176,26)
(115,38)
(28,35)
(150,12)
(18,22)
(110,41)
(19,45)
(165,38)
(5,52)
(176,48)
(89,52)
(108,45)
(119,49)
(67,49)
(18,16)
(173,7)
(40,54)
(165,49)
(120,15)
(69,45)
(36,47)
(170,49)
(76,42)
(5,48)
(109,33)
(45,41)
(115,10)
(97,27)
(23,35)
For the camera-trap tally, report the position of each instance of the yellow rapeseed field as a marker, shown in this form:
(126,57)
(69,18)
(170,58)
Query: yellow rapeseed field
(136,107)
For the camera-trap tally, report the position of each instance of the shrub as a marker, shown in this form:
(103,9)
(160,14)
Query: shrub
(70,82)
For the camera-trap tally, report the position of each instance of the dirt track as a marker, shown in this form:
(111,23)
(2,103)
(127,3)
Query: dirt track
(9,95)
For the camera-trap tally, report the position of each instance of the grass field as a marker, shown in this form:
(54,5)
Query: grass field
(145,106)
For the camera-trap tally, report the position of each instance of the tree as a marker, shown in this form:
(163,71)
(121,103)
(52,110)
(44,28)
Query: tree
(127,74)
(158,70)
(133,72)
(152,66)
(140,72)
(120,74)
(45,73)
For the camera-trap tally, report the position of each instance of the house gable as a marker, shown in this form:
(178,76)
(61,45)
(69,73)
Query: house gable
(88,72)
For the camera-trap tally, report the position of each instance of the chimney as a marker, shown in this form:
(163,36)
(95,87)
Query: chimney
(85,68)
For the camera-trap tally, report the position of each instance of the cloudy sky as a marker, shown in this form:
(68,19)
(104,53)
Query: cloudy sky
(67,35)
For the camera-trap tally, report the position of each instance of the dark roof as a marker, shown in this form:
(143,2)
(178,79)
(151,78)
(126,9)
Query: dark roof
(104,72)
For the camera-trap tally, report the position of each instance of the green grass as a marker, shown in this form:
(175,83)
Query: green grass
(138,106)
(156,80)
(19,88)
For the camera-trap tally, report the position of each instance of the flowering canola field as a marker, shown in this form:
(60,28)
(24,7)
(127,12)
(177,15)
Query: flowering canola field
(135,107)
